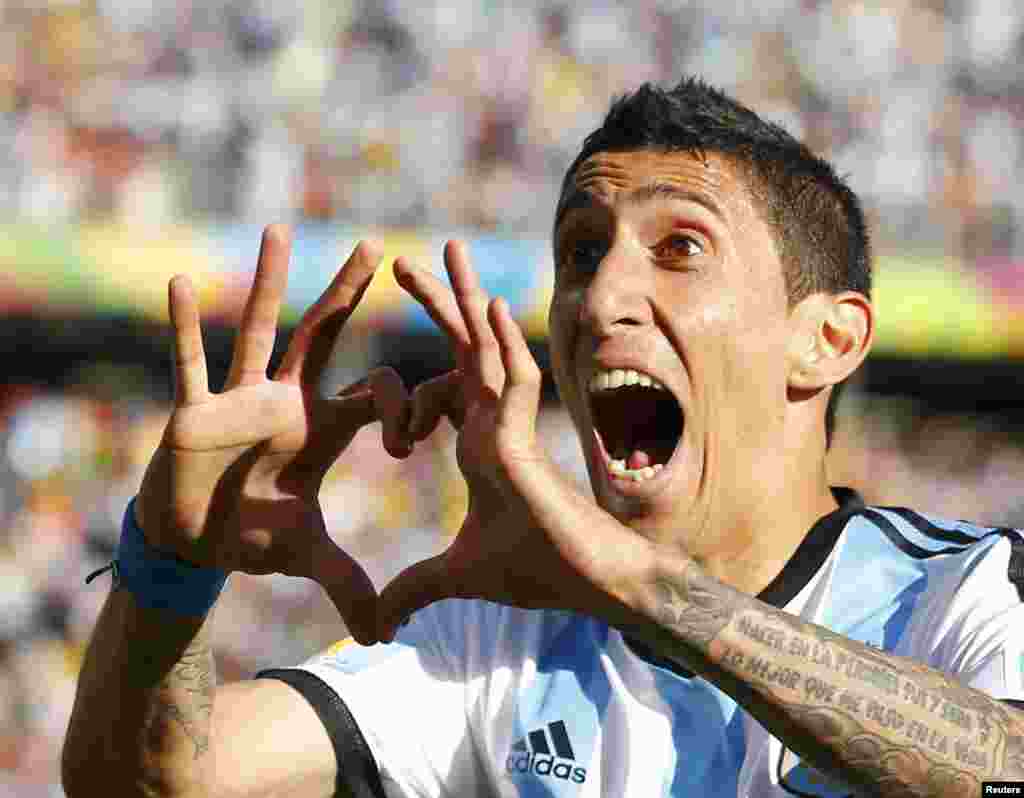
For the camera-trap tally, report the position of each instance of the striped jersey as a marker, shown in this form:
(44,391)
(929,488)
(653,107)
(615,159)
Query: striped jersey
(474,698)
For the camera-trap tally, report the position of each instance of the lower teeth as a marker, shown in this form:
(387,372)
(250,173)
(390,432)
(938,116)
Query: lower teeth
(618,468)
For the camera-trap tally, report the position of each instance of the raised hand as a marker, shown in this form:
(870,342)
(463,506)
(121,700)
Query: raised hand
(530,539)
(235,480)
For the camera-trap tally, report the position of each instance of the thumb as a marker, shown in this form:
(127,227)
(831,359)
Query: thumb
(440,396)
(416,587)
(349,589)
(391,401)
(336,420)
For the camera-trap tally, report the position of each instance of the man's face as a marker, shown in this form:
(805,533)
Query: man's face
(664,268)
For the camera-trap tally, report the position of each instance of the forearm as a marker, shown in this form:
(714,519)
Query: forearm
(141,719)
(877,721)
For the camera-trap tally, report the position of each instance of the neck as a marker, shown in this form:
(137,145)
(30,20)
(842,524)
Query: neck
(753,547)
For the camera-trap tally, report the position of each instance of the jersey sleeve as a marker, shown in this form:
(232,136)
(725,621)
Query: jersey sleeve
(397,713)
(979,629)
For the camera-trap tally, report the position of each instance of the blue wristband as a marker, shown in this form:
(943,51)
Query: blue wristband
(159,580)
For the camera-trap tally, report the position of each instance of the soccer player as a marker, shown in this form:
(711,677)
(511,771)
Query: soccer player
(716,621)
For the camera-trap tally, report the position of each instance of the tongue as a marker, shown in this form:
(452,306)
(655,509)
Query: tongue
(639,459)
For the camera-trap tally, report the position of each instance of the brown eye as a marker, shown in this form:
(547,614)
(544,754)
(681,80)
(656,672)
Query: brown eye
(585,255)
(679,246)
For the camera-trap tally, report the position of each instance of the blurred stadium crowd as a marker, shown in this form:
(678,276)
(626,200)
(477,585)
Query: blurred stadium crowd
(441,115)
(452,113)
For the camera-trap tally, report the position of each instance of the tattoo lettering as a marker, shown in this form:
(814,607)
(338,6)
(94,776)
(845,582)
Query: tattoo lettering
(769,636)
(876,721)
(926,737)
(820,690)
(868,670)
(771,673)
(851,702)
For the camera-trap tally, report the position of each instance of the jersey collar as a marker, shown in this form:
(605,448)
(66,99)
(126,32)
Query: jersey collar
(813,550)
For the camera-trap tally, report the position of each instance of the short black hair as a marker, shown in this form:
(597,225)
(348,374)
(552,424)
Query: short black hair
(817,220)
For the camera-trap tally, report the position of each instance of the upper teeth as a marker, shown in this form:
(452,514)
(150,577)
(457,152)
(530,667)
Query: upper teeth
(616,378)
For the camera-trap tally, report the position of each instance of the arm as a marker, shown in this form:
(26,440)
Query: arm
(149,710)
(143,706)
(233,486)
(881,722)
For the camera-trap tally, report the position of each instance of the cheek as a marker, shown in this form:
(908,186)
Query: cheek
(562,316)
(722,314)
(753,380)
(741,358)
(561,339)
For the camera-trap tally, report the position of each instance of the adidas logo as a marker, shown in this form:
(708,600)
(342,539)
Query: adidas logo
(536,756)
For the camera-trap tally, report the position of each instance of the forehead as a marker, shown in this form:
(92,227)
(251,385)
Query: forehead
(637,176)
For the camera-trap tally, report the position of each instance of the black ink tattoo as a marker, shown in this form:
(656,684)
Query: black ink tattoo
(185,698)
(865,727)
(693,608)
(1013,754)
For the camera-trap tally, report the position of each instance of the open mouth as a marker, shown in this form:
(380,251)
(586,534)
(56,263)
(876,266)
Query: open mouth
(639,426)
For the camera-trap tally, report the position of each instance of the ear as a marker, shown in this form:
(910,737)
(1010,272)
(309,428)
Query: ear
(830,335)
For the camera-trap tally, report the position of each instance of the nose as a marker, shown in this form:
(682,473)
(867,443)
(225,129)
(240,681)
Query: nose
(619,293)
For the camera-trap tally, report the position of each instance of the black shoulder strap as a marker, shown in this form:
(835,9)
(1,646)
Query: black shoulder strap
(1015,570)
(358,775)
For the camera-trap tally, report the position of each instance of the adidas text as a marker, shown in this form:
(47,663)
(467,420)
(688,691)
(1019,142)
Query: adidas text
(545,766)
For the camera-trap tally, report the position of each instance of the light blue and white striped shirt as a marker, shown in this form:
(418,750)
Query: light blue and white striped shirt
(478,699)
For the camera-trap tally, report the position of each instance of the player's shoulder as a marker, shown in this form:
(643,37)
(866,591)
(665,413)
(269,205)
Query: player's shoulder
(958,550)
(961,586)
(922,535)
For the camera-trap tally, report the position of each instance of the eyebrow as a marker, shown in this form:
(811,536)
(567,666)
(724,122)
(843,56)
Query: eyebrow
(579,199)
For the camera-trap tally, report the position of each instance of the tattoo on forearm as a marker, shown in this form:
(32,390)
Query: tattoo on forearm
(877,719)
(692,607)
(194,674)
(185,699)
